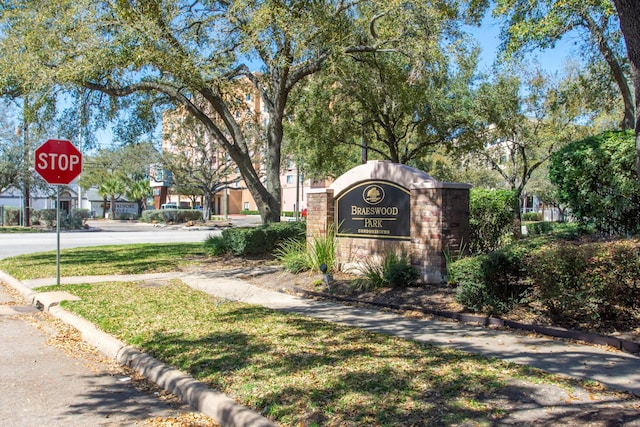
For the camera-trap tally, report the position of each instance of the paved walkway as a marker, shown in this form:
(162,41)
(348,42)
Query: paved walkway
(612,368)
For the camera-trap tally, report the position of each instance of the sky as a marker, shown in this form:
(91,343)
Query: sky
(550,60)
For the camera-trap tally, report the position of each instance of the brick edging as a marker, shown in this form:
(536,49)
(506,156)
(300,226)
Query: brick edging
(556,332)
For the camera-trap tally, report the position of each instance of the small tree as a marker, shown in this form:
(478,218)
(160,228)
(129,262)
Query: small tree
(139,191)
(596,179)
(113,188)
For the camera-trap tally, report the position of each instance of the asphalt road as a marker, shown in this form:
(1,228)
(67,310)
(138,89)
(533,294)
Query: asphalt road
(108,233)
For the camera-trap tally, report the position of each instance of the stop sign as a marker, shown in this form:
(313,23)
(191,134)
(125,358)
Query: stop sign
(58,161)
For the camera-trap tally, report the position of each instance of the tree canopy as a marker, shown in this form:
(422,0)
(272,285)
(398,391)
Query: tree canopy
(192,53)
(593,26)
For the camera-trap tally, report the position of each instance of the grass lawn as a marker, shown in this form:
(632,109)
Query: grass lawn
(298,370)
(99,260)
(293,369)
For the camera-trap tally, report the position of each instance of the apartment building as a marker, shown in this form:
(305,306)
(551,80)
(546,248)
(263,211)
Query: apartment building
(231,196)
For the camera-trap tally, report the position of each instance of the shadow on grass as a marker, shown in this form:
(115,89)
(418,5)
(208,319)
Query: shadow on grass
(119,259)
(302,371)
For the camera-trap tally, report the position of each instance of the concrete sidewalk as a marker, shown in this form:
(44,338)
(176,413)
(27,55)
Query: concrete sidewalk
(612,368)
(42,385)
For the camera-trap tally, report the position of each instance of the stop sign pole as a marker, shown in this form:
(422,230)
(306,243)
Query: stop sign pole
(58,162)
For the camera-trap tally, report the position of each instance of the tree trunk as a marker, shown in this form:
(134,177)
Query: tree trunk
(628,12)
(113,208)
(617,72)
(206,206)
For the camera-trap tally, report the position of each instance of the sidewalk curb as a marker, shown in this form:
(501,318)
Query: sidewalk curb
(199,396)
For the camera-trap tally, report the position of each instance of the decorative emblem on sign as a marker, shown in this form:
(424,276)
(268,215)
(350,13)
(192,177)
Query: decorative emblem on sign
(373,194)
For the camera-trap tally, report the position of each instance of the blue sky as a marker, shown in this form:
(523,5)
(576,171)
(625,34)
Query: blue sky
(551,60)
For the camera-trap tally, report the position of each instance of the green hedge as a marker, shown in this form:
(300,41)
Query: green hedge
(595,178)
(532,216)
(255,240)
(47,217)
(177,216)
(491,216)
(577,281)
(492,282)
(582,279)
(542,227)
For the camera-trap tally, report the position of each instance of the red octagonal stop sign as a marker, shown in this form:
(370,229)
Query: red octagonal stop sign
(58,161)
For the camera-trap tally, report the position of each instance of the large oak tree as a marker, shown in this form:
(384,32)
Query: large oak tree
(191,53)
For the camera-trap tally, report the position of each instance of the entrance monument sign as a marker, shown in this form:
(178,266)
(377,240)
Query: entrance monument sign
(382,207)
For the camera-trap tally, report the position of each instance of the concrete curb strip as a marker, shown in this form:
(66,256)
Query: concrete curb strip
(224,410)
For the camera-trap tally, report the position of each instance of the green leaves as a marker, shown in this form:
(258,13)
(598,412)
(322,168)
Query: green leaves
(596,179)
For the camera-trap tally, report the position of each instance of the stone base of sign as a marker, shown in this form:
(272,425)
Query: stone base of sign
(439,221)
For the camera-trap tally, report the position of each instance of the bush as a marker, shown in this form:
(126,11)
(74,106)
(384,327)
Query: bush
(246,240)
(543,227)
(11,216)
(263,239)
(596,180)
(582,281)
(491,215)
(248,212)
(176,216)
(394,271)
(47,217)
(491,283)
(215,245)
(532,216)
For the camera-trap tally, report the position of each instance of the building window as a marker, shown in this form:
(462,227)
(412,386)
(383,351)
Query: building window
(246,206)
(289,179)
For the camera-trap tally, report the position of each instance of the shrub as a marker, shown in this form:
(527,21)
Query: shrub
(582,281)
(537,228)
(491,215)
(11,215)
(394,271)
(493,282)
(596,179)
(177,216)
(215,245)
(246,240)
(532,216)
(48,217)
(263,239)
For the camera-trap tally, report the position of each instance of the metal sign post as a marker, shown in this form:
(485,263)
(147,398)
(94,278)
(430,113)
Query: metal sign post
(58,235)
(58,162)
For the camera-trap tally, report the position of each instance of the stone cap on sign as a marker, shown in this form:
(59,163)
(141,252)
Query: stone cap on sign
(397,173)
(441,184)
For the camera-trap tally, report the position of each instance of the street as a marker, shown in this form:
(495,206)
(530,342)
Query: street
(110,233)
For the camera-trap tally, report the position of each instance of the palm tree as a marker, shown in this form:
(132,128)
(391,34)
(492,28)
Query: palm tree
(139,191)
(112,188)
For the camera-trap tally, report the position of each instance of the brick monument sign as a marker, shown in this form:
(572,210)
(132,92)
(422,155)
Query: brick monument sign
(381,207)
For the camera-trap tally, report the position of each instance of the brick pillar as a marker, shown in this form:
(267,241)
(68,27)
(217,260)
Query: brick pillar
(439,222)
(320,212)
